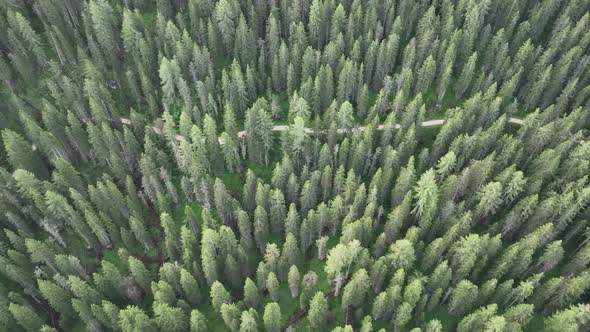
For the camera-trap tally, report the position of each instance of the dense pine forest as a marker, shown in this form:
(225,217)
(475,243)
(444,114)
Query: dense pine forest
(295,165)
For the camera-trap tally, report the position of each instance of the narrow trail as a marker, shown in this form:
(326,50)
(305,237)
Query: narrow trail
(244,133)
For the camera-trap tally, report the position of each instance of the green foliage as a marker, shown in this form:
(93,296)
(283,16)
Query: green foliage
(434,160)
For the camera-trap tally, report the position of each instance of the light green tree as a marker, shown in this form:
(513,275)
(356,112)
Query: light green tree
(272,317)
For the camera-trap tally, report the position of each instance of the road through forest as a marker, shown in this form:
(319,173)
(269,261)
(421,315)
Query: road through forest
(243,133)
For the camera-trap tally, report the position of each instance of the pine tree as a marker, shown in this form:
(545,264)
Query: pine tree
(426,198)
(291,253)
(318,310)
(245,228)
(249,323)
(425,75)
(294,280)
(272,317)
(141,234)
(223,202)
(170,318)
(251,293)
(261,228)
(466,76)
(231,316)
(133,318)
(573,318)
(26,317)
(345,115)
(278,211)
(463,298)
(66,176)
(190,287)
(402,316)
(140,273)
(225,19)
(402,254)
(219,295)
(171,236)
(316,22)
(272,285)
(21,154)
(552,255)
(169,73)
(489,199)
(356,290)
(213,147)
(198,323)
(230,152)
(105,26)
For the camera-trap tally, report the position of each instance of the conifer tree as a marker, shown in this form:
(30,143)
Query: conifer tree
(356,289)
(272,285)
(231,316)
(170,318)
(464,79)
(261,228)
(225,19)
(219,295)
(318,310)
(133,318)
(463,298)
(249,323)
(272,317)
(26,317)
(190,287)
(198,323)
(251,293)
(21,154)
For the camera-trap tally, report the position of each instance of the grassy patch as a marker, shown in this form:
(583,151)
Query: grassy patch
(288,304)
(283,100)
(317,266)
(261,171)
(441,313)
(537,323)
(427,137)
(179,216)
(214,321)
(112,257)
(150,17)
(232,182)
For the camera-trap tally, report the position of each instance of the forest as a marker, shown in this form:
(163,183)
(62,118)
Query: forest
(295,165)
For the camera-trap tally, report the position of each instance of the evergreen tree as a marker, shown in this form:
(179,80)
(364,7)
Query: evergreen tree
(425,75)
(466,76)
(190,287)
(26,317)
(249,323)
(463,298)
(198,323)
(170,318)
(356,289)
(225,18)
(251,293)
(272,285)
(261,228)
(171,235)
(294,280)
(21,154)
(133,318)
(219,295)
(272,317)
(231,316)
(318,310)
